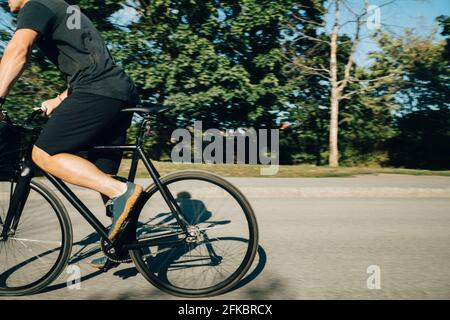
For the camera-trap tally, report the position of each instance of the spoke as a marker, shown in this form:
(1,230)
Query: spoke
(154,254)
(41,256)
(211,227)
(39,241)
(160,236)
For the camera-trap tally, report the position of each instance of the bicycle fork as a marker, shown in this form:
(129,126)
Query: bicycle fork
(17,203)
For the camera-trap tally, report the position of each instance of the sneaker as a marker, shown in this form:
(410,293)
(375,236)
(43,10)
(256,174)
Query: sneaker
(121,207)
(103,263)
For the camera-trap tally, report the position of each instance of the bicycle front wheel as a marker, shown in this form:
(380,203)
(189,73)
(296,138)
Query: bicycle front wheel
(38,248)
(220,253)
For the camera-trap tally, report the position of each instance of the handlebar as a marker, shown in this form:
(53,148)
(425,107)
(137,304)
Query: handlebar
(32,116)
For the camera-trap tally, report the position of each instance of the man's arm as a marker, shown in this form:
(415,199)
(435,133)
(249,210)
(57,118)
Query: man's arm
(50,106)
(15,58)
(63,95)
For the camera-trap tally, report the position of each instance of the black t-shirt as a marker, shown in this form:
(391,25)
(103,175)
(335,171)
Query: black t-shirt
(70,40)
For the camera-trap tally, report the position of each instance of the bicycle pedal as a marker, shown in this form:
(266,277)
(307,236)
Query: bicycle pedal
(109,265)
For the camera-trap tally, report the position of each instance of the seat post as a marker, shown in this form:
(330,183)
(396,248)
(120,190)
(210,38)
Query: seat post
(142,130)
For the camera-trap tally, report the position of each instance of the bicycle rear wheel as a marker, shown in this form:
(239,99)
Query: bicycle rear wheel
(219,254)
(36,252)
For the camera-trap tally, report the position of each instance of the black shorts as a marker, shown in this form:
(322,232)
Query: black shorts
(85,120)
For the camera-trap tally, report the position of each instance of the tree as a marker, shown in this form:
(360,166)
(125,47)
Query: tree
(423,73)
(215,61)
(422,140)
(421,91)
(341,76)
(444,21)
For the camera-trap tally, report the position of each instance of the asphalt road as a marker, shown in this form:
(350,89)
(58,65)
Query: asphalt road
(318,237)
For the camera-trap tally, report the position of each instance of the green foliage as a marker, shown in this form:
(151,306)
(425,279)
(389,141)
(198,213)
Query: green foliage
(226,63)
(215,61)
(420,93)
(223,71)
(424,78)
(423,140)
(444,21)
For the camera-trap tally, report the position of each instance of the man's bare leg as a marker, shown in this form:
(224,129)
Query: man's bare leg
(78,171)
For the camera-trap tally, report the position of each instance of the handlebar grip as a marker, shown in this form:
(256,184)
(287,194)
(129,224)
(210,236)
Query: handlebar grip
(33,115)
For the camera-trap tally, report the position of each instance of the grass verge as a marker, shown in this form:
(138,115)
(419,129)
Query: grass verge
(283,172)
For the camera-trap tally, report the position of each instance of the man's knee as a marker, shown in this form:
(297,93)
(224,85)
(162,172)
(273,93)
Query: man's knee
(40,157)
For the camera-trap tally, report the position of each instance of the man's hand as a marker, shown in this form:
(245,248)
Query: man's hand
(50,106)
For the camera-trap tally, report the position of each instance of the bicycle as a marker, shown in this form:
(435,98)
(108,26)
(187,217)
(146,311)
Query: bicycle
(176,236)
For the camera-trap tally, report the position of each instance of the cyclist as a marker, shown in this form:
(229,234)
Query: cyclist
(87,113)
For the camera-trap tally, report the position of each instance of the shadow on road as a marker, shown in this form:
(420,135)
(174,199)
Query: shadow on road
(261,258)
(84,243)
(64,284)
(79,256)
(169,257)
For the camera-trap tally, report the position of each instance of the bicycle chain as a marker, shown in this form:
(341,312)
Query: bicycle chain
(115,257)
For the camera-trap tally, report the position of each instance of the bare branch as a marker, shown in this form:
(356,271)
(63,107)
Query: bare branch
(350,94)
(298,64)
(349,8)
(309,21)
(311,73)
(373,84)
(302,35)
(386,3)
(349,64)
(347,96)
(371,80)
(323,68)
(304,66)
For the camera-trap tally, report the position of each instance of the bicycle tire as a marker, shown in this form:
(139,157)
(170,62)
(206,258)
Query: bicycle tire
(64,251)
(246,263)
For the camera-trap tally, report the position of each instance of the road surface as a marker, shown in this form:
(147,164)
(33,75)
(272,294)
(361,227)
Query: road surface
(319,237)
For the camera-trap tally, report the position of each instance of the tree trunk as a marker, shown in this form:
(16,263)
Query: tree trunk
(333,159)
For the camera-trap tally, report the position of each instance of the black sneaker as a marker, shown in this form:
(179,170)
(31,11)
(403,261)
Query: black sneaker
(121,206)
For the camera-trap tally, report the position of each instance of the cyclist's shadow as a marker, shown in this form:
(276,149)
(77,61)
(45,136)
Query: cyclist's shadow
(195,213)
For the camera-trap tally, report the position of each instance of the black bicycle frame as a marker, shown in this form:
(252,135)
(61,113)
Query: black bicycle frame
(17,201)
(22,189)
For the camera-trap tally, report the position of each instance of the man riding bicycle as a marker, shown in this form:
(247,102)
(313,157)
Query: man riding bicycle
(84,115)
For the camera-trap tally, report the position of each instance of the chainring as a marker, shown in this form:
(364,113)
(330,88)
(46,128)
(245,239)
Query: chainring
(120,257)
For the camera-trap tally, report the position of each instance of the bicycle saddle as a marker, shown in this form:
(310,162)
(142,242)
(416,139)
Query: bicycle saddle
(151,110)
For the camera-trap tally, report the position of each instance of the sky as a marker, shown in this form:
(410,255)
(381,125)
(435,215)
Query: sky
(418,14)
